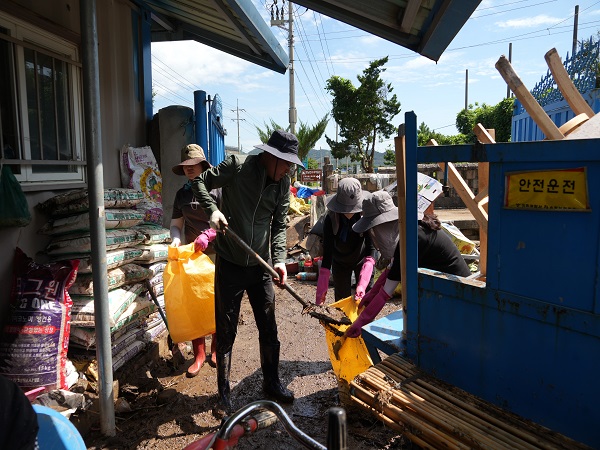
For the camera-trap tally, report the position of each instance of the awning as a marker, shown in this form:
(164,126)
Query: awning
(424,26)
(233,26)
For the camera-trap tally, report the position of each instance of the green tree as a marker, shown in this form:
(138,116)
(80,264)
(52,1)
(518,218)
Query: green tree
(389,157)
(425,134)
(498,117)
(363,114)
(312,163)
(307,135)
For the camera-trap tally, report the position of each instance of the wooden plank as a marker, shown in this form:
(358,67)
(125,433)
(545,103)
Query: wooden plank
(482,199)
(466,195)
(410,13)
(566,86)
(529,103)
(400,145)
(570,126)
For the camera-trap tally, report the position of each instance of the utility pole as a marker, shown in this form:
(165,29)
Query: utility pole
(237,111)
(277,20)
(466,89)
(575,26)
(508,93)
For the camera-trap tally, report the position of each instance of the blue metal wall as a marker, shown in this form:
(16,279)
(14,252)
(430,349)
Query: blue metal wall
(527,339)
(524,129)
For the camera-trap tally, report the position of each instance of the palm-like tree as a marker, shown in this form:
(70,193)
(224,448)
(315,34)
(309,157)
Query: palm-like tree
(307,135)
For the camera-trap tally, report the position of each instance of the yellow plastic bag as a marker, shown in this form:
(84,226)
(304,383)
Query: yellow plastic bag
(349,356)
(189,288)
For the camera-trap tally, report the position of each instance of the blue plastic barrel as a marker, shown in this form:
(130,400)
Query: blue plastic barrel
(56,431)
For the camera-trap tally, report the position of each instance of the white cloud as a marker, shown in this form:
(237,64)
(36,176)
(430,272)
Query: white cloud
(529,22)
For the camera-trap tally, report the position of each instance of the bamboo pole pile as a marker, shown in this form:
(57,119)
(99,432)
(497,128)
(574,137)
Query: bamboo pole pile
(435,415)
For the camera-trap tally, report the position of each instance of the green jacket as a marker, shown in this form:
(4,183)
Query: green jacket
(255,207)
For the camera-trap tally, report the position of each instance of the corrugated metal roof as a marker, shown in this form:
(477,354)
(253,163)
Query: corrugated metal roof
(233,26)
(424,26)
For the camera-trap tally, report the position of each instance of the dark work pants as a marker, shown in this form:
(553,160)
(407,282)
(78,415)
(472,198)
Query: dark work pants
(231,281)
(342,279)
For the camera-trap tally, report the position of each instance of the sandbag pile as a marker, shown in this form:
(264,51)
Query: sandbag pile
(136,254)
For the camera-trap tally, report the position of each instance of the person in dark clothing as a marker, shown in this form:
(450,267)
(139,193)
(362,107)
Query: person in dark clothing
(255,201)
(344,250)
(436,252)
(190,219)
(18,420)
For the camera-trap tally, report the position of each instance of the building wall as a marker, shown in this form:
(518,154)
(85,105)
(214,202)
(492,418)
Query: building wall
(123,119)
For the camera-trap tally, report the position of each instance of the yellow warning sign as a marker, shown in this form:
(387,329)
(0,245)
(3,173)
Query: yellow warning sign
(564,189)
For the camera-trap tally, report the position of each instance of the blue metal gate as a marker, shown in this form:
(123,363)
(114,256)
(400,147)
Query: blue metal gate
(581,68)
(210,134)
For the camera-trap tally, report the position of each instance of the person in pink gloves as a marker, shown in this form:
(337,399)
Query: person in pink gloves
(344,250)
(436,252)
(190,219)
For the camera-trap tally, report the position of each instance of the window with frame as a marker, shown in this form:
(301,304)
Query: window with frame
(41,131)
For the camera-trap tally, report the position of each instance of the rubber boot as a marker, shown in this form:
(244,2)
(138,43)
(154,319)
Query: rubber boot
(212,361)
(223,407)
(199,348)
(272,387)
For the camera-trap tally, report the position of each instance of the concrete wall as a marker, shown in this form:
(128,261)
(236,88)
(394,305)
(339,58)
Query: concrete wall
(374,181)
(122,109)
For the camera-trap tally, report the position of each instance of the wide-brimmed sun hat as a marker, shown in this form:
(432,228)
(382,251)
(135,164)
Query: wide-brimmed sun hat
(191,155)
(377,208)
(283,145)
(348,198)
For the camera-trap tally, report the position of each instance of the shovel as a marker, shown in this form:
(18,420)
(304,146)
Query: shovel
(308,308)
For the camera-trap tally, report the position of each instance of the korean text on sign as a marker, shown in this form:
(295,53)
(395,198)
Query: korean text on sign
(564,189)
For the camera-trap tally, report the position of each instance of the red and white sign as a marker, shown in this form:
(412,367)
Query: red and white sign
(310,175)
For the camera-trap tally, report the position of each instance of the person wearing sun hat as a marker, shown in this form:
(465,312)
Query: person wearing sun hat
(256,197)
(344,250)
(436,251)
(190,219)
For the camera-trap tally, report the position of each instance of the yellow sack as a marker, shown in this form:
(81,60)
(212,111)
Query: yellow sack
(349,356)
(189,284)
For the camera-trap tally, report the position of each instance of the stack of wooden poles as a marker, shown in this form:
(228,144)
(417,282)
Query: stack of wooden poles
(435,415)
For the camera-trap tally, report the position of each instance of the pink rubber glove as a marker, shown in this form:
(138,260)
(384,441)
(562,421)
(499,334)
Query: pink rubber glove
(365,276)
(368,314)
(322,285)
(201,242)
(374,290)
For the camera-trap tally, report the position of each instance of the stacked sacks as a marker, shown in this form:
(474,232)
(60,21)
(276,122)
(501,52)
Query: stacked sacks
(69,227)
(139,170)
(127,240)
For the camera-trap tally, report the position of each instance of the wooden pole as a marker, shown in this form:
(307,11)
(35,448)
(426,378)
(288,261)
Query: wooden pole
(566,86)
(529,103)
(400,145)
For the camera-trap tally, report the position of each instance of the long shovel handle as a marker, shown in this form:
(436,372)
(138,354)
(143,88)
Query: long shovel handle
(265,265)
(307,307)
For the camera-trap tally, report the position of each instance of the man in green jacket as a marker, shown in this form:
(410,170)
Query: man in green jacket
(255,201)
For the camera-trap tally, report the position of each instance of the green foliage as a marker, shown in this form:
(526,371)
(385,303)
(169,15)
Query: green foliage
(363,114)
(498,117)
(307,135)
(425,134)
(389,157)
(312,164)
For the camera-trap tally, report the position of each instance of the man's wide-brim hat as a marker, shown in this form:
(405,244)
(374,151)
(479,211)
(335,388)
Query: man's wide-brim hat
(283,145)
(348,198)
(377,208)
(191,155)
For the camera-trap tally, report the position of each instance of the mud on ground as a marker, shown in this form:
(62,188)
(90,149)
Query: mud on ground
(170,411)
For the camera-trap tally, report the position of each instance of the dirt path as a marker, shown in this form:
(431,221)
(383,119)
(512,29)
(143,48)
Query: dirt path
(171,410)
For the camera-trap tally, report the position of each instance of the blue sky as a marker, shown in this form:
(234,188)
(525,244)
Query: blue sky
(325,47)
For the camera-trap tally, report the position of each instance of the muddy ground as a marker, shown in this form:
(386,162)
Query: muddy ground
(170,411)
